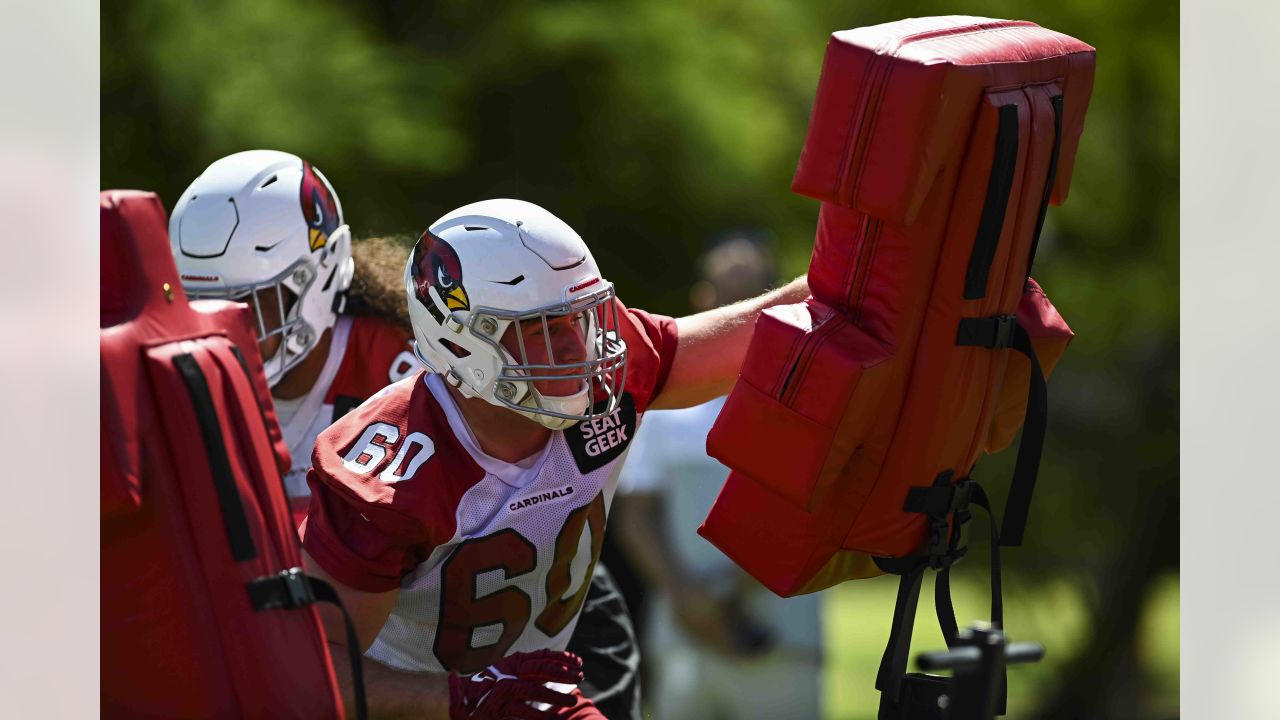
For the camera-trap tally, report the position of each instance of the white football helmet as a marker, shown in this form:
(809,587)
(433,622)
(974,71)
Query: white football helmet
(266,226)
(490,264)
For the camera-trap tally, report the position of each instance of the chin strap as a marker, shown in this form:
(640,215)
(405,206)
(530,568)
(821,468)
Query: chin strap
(552,423)
(575,404)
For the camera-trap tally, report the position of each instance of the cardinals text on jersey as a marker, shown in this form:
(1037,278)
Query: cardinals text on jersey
(490,557)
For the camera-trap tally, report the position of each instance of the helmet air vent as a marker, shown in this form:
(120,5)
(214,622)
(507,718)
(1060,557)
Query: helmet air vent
(571,265)
(454,349)
(268,181)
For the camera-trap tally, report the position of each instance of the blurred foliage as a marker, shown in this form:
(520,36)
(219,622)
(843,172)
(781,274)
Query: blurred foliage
(650,127)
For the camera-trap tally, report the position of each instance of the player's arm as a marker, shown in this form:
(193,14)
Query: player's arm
(360,559)
(388,690)
(712,345)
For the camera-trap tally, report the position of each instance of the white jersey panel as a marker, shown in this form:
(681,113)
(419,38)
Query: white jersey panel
(523,531)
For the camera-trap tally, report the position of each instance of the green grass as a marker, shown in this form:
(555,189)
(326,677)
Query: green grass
(1158,643)
(857,616)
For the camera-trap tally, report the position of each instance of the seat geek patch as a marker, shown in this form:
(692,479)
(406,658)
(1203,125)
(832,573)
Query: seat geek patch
(595,443)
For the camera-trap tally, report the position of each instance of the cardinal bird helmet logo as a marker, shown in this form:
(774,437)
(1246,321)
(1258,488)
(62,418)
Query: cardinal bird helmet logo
(436,264)
(318,208)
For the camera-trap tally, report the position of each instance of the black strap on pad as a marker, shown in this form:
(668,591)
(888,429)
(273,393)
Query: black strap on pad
(998,333)
(234,520)
(291,589)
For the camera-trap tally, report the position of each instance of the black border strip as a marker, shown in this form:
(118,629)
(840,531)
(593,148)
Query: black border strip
(1056,100)
(233,516)
(1003,164)
(1017,506)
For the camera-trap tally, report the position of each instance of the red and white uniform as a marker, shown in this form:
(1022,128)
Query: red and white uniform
(490,557)
(365,355)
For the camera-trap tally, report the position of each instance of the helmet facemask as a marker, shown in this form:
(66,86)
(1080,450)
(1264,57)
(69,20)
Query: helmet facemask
(601,374)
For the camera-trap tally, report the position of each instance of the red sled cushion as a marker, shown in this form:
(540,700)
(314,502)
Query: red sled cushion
(810,386)
(895,103)
(935,146)
(781,545)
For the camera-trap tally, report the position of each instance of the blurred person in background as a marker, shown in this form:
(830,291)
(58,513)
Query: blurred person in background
(717,643)
(266,228)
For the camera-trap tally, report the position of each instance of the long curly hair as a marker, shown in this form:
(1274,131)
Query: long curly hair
(378,286)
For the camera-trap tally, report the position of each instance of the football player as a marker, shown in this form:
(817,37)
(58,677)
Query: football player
(460,511)
(267,228)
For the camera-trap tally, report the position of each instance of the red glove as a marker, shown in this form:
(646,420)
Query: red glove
(505,688)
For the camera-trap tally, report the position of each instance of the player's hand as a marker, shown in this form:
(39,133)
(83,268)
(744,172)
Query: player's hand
(505,688)
(718,623)
(704,616)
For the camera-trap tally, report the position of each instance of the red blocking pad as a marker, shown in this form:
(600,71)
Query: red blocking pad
(193,507)
(935,146)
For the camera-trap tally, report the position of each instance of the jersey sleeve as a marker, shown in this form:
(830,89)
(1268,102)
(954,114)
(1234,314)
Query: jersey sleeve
(378,353)
(651,346)
(385,484)
(352,548)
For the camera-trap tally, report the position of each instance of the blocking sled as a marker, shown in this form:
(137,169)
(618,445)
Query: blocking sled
(204,609)
(935,146)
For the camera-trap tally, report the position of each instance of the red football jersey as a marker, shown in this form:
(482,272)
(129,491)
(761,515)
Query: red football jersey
(490,557)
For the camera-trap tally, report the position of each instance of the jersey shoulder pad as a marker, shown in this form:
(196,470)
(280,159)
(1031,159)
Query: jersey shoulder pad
(397,460)
(377,353)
